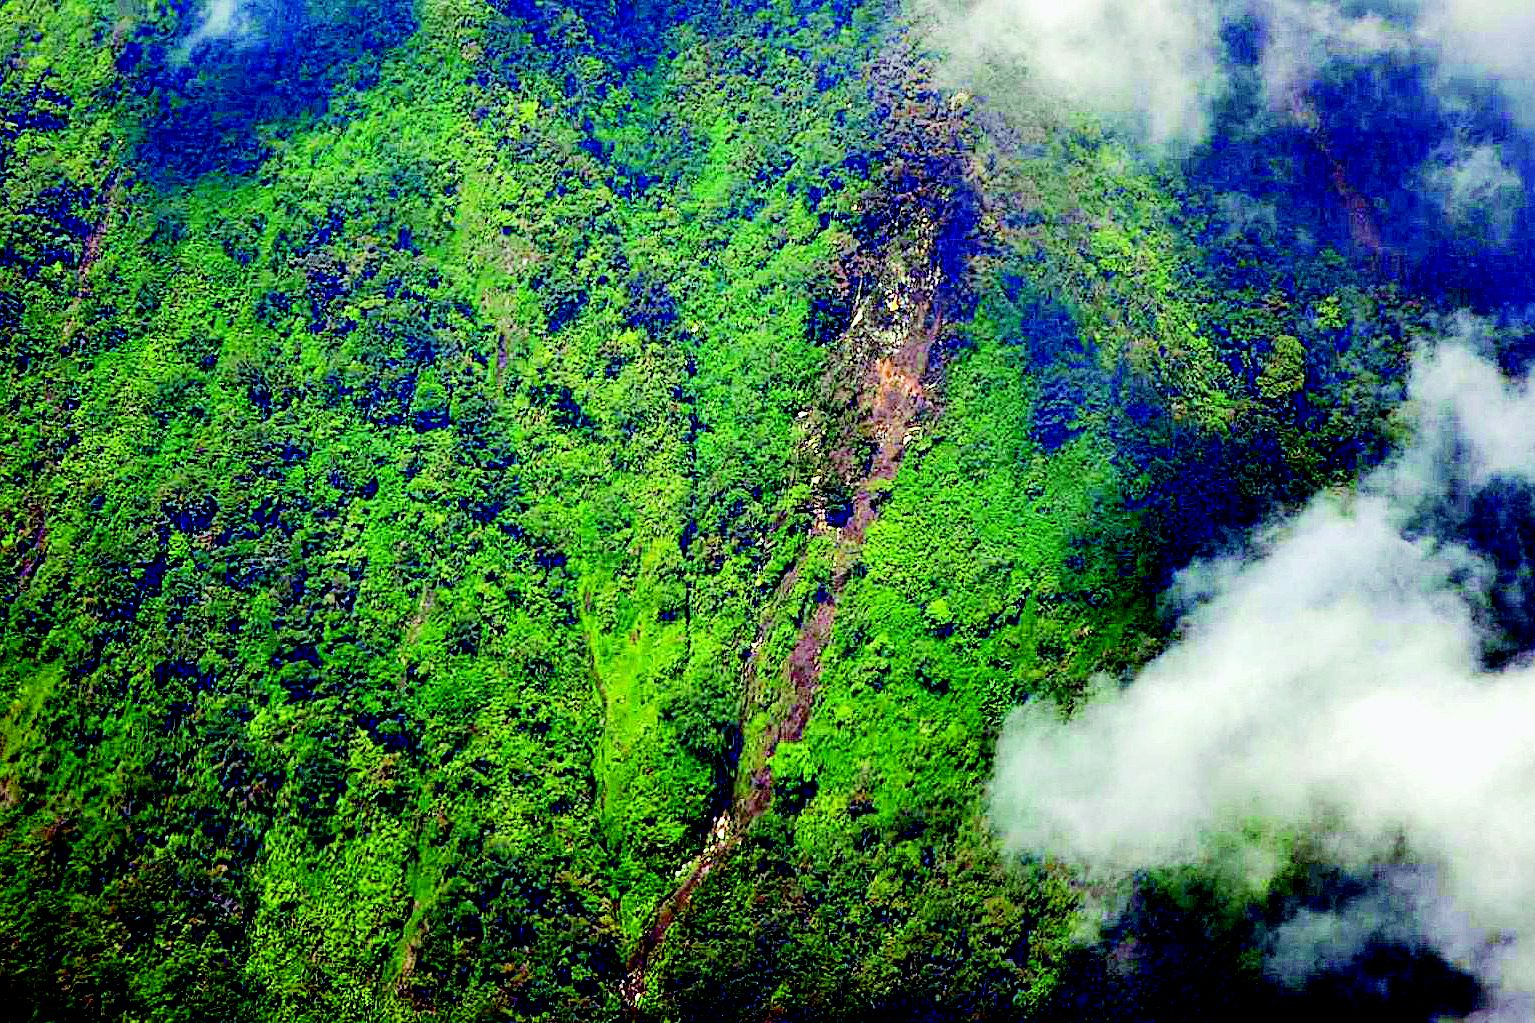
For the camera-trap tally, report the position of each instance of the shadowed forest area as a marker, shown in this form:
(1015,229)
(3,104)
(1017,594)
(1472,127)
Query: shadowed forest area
(538,510)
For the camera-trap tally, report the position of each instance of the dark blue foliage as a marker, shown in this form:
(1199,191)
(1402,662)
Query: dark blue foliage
(1057,408)
(1176,955)
(1374,177)
(206,100)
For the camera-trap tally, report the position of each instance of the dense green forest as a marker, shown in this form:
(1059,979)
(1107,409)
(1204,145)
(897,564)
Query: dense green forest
(518,509)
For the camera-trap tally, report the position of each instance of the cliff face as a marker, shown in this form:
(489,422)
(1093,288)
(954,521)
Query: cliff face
(539,510)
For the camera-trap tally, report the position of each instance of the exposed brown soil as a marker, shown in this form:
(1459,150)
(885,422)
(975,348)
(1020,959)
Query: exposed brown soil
(1363,228)
(722,841)
(892,396)
(92,252)
(895,396)
(879,379)
(899,397)
(35,550)
(32,545)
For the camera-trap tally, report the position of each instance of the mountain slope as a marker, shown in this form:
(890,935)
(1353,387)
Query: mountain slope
(458,458)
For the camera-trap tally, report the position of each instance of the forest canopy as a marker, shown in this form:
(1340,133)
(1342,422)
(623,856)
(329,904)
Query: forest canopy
(541,510)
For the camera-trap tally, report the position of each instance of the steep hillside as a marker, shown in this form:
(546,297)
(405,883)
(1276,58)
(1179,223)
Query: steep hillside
(533,510)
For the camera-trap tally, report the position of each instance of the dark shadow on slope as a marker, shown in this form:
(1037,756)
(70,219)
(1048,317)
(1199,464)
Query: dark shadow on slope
(1441,173)
(1496,520)
(210,98)
(1180,954)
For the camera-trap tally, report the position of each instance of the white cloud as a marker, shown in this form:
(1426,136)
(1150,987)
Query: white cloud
(1480,194)
(1488,38)
(221,21)
(1332,686)
(1155,65)
(1303,36)
(1152,62)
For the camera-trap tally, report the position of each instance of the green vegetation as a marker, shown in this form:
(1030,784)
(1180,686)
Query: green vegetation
(422,438)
